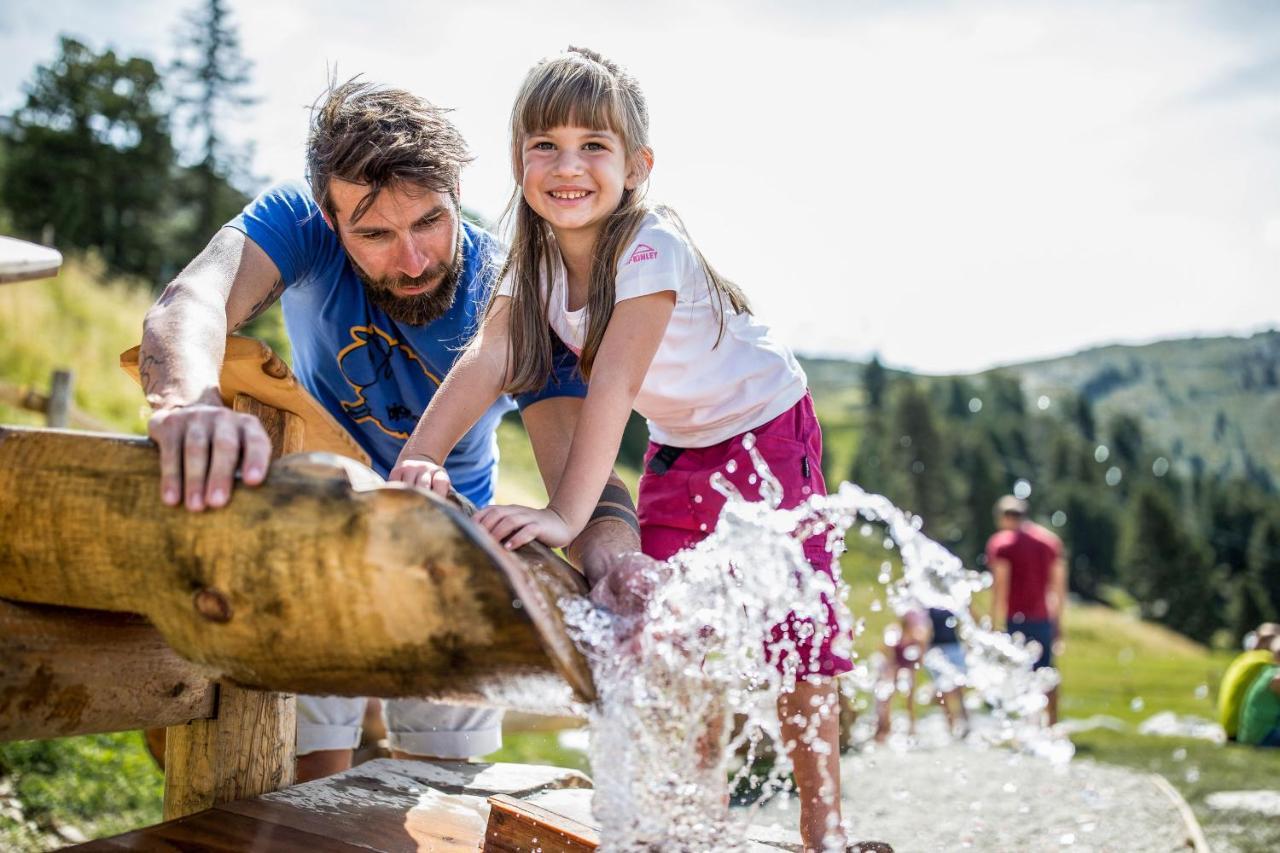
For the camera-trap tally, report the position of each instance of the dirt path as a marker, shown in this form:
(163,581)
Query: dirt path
(951,796)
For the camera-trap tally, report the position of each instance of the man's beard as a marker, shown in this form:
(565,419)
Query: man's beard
(421,309)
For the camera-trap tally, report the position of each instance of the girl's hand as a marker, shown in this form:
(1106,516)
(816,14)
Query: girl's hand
(519,525)
(423,472)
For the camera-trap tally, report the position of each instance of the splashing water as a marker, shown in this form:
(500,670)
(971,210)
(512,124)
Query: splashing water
(673,682)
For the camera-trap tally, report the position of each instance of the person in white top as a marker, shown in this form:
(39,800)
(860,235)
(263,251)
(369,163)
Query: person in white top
(655,329)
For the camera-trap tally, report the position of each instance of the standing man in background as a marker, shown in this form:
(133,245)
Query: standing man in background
(1030,589)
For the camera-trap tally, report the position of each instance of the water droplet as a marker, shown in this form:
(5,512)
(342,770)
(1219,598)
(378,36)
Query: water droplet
(1136,704)
(875,606)
(1101,453)
(1160,467)
(1022,490)
(702,526)
(1043,403)
(1058,519)
(1179,754)
(752,479)
(697,499)
(975,405)
(1067,839)
(1202,692)
(1114,476)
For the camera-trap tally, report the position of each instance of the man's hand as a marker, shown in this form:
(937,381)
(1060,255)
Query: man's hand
(628,582)
(519,525)
(200,445)
(423,472)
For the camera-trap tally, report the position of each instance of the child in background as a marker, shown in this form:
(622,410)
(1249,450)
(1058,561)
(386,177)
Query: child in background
(905,644)
(658,330)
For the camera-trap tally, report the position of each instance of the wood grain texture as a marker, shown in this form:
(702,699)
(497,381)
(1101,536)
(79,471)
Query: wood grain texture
(516,826)
(68,672)
(322,580)
(249,367)
(216,831)
(248,749)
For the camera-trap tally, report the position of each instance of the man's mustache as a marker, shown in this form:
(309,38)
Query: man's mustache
(390,284)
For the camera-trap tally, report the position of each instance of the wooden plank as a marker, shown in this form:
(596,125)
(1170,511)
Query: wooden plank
(68,672)
(220,832)
(249,367)
(319,581)
(397,805)
(516,826)
(247,750)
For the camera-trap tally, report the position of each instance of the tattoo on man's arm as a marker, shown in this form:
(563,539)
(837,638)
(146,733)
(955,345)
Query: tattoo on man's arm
(145,374)
(615,502)
(263,304)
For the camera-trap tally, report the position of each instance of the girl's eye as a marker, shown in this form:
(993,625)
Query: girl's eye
(543,146)
(594,146)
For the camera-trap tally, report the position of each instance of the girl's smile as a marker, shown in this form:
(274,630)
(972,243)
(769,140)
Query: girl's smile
(574,177)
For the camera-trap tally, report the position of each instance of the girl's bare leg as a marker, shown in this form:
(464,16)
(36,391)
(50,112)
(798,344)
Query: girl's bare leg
(811,729)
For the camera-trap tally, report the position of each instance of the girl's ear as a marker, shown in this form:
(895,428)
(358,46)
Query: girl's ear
(641,166)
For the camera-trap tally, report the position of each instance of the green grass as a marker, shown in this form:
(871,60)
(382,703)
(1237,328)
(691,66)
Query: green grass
(100,784)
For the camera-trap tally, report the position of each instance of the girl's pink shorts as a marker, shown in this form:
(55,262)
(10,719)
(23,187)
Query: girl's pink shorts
(678,508)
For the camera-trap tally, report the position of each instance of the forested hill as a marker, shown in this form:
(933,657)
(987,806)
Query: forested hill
(1155,464)
(1211,403)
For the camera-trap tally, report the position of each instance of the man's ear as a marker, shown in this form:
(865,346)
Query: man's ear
(328,220)
(641,166)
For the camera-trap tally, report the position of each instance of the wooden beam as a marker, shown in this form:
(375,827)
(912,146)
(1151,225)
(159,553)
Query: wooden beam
(69,672)
(246,751)
(323,580)
(517,827)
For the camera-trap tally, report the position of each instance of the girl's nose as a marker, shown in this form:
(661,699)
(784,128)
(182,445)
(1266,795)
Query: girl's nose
(568,163)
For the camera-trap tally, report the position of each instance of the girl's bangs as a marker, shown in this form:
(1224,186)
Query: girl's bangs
(569,97)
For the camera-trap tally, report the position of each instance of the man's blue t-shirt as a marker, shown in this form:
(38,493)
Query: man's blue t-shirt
(374,375)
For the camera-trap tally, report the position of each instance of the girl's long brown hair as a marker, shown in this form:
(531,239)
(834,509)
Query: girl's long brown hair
(578,88)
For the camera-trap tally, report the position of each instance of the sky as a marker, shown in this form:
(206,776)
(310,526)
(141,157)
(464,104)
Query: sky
(949,185)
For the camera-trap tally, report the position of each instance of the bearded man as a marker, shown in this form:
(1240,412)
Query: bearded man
(382,283)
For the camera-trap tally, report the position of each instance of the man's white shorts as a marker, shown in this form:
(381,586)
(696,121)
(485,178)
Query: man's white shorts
(416,726)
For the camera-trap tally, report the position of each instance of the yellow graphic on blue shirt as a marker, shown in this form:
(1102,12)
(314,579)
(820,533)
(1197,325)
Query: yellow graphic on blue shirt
(370,365)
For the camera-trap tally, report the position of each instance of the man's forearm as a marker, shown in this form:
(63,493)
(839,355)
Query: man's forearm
(182,348)
(612,530)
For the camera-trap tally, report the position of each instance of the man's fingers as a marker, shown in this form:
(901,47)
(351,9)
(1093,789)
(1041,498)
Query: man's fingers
(255,451)
(224,453)
(162,433)
(195,464)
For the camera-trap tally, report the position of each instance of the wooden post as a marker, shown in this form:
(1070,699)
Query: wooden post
(249,747)
(59,409)
(516,826)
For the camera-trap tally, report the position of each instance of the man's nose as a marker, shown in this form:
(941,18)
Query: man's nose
(413,258)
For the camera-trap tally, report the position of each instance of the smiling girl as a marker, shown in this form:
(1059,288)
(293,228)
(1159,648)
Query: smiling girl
(655,329)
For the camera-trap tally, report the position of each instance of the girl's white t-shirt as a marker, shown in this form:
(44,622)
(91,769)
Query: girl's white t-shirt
(696,393)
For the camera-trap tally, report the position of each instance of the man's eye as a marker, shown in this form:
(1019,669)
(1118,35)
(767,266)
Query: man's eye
(373,235)
(428,223)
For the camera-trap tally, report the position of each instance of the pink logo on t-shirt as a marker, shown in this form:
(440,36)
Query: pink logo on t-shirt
(642,252)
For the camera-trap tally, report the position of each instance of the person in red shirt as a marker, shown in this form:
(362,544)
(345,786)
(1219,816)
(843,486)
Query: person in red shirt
(1030,588)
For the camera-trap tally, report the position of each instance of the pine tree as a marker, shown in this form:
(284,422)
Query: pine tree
(1168,568)
(213,77)
(875,380)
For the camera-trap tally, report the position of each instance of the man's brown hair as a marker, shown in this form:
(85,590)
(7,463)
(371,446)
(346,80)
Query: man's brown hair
(377,137)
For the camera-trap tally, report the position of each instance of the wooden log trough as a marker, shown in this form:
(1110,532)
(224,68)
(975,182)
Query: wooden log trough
(117,612)
(322,580)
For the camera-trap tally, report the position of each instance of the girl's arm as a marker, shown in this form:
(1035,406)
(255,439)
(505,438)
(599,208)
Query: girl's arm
(470,387)
(635,331)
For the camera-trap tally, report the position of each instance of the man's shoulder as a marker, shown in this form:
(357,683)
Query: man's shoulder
(1042,534)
